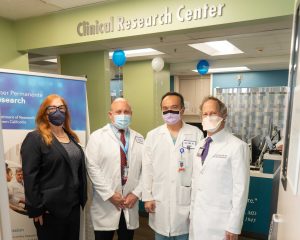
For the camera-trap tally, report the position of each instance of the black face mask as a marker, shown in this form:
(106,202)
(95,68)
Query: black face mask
(57,118)
(170,111)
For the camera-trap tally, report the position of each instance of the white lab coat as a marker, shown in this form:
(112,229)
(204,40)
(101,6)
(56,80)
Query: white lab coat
(103,167)
(163,183)
(219,188)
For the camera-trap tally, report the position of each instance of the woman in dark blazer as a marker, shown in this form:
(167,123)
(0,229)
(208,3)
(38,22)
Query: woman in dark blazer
(54,173)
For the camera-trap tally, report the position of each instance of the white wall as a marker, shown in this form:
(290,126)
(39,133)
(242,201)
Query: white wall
(44,69)
(288,203)
(289,208)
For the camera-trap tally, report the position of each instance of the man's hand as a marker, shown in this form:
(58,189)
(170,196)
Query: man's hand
(130,200)
(117,200)
(150,206)
(231,236)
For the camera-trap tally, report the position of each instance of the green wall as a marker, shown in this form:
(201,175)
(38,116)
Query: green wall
(61,28)
(143,89)
(10,58)
(94,65)
(161,86)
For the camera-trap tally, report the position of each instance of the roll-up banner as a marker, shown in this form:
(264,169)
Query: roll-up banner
(21,94)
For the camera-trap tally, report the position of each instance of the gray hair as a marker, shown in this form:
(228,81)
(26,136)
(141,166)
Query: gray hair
(19,170)
(222,107)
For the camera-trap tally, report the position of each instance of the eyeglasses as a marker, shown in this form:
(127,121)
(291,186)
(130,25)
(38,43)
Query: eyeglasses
(173,108)
(53,109)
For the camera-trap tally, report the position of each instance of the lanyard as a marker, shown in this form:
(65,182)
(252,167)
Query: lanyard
(181,167)
(127,135)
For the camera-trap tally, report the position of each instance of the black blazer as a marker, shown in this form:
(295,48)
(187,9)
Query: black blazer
(48,179)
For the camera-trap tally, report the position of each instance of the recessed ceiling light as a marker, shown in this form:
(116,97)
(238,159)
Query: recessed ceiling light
(53,60)
(139,52)
(217,48)
(227,69)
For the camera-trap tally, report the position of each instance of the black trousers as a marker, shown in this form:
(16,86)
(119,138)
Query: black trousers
(55,228)
(123,232)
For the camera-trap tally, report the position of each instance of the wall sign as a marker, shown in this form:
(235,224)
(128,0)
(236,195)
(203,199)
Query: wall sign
(120,23)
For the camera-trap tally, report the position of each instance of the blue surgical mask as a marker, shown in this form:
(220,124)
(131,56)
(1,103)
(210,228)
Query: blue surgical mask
(122,121)
(57,118)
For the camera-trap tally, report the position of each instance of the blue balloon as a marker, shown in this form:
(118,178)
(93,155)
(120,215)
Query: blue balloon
(202,67)
(119,58)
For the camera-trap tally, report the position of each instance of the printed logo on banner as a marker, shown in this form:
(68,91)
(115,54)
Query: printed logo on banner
(21,96)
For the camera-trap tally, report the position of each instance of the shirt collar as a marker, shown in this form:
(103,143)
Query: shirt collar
(218,136)
(116,130)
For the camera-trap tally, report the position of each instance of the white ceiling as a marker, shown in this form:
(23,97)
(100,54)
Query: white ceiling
(20,9)
(266,45)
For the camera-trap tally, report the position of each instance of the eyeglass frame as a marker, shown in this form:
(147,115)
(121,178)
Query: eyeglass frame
(173,108)
(57,108)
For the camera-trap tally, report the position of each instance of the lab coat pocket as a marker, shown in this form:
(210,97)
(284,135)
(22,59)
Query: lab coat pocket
(184,195)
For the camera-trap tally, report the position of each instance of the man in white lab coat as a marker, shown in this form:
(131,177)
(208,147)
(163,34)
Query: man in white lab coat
(16,191)
(220,178)
(167,168)
(114,161)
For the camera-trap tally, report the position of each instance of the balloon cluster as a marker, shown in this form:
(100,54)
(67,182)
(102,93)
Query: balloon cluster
(119,59)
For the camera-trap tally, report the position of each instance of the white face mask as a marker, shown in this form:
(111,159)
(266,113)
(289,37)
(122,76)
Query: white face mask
(211,123)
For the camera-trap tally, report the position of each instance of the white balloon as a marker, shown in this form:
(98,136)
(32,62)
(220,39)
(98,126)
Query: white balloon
(158,64)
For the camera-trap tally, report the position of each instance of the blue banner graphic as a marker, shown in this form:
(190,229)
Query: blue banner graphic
(22,94)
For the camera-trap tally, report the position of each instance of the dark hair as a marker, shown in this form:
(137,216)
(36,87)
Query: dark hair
(173,94)
(222,107)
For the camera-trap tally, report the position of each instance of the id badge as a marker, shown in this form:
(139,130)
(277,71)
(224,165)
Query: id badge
(199,153)
(181,167)
(188,144)
(126,169)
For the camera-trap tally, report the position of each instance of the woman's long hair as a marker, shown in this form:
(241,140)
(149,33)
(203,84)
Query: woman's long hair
(42,122)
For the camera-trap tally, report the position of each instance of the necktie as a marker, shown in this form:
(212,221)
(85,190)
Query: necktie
(123,158)
(205,150)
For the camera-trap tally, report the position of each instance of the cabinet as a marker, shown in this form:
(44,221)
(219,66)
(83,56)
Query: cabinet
(193,89)
(262,199)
